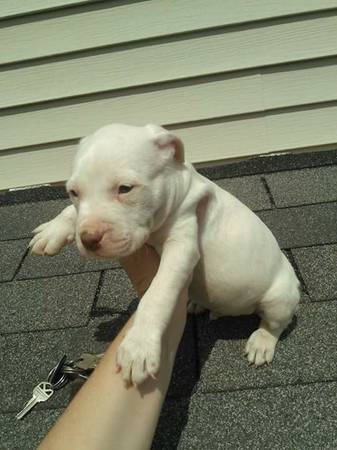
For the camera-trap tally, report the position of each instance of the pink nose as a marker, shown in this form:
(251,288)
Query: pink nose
(91,239)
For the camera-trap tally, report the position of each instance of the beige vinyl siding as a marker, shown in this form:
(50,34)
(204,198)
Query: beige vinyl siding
(173,103)
(204,142)
(233,78)
(236,10)
(12,8)
(154,18)
(170,59)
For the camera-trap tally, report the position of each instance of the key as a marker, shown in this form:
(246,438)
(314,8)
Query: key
(41,393)
(81,367)
(88,361)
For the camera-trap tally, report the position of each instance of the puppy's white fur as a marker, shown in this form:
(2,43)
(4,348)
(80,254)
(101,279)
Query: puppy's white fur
(202,233)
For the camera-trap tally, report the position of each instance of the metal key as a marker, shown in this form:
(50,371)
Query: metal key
(88,361)
(83,366)
(41,393)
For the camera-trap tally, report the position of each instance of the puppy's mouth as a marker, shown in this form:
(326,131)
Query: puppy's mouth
(106,248)
(109,249)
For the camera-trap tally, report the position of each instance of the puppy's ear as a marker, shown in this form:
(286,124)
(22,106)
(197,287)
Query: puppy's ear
(163,139)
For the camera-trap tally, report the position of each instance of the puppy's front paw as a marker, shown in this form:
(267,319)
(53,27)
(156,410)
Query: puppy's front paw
(260,347)
(138,356)
(51,236)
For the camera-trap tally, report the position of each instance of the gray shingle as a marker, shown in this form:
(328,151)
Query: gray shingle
(318,266)
(116,294)
(304,297)
(26,434)
(304,225)
(249,190)
(68,261)
(301,417)
(33,194)
(303,292)
(184,376)
(172,421)
(11,254)
(57,302)
(304,355)
(270,163)
(300,187)
(18,221)
(288,418)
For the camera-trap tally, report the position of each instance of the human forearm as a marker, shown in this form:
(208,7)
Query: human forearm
(106,414)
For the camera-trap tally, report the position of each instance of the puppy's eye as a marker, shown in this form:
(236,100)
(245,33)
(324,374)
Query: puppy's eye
(73,193)
(124,189)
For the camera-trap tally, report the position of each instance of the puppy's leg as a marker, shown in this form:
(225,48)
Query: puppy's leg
(276,311)
(140,352)
(51,236)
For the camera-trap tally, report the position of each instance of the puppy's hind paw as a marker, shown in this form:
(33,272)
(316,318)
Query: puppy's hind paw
(260,348)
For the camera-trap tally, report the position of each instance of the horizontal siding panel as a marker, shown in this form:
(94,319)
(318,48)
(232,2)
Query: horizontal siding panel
(36,167)
(252,136)
(179,104)
(307,128)
(300,84)
(123,23)
(204,142)
(228,139)
(218,96)
(10,8)
(207,53)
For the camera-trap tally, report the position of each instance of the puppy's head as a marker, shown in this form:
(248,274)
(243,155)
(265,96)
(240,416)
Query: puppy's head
(119,186)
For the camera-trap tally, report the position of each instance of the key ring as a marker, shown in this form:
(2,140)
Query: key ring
(56,377)
(65,371)
(70,368)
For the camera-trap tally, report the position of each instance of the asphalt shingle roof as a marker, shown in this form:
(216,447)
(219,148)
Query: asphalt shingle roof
(68,304)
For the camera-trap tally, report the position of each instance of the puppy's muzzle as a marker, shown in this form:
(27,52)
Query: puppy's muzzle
(91,239)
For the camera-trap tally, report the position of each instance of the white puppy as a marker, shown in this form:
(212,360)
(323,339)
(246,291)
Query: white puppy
(130,185)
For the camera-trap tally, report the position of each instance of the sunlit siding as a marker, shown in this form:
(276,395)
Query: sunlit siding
(232,77)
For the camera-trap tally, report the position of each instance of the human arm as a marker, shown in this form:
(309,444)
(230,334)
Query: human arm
(105,414)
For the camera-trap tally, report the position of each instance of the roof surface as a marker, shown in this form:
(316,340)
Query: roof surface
(68,304)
